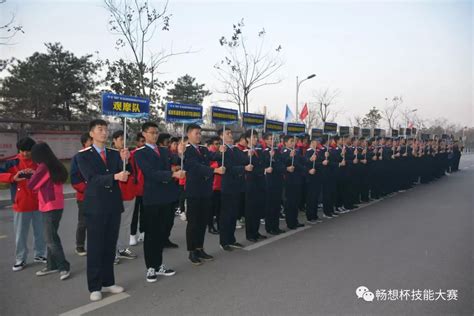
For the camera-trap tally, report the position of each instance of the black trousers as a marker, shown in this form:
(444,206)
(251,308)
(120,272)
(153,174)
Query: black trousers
(254,211)
(138,217)
(102,230)
(229,213)
(169,221)
(155,233)
(313,190)
(56,258)
(292,201)
(216,209)
(272,210)
(329,192)
(197,216)
(81,225)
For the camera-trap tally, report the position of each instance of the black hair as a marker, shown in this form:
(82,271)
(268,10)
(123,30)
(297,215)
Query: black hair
(286,138)
(174,140)
(336,138)
(242,136)
(42,153)
(162,137)
(84,138)
(248,133)
(25,144)
(147,125)
(213,139)
(267,135)
(191,127)
(117,134)
(323,141)
(221,130)
(97,122)
(139,136)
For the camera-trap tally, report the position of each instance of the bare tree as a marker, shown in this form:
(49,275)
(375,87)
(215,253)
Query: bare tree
(136,23)
(9,29)
(356,121)
(325,100)
(313,119)
(242,71)
(390,111)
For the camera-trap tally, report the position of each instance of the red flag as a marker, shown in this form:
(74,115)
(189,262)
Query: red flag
(304,112)
(410,125)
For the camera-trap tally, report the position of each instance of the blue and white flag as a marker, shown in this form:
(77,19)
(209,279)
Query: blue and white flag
(289,116)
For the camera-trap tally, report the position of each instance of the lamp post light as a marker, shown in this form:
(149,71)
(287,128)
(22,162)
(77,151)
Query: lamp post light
(298,84)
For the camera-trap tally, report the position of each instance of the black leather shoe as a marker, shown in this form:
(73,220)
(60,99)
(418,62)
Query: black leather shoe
(280,231)
(252,239)
(260,236)
(227,248)
(169,244)
(273,232)
(203,255)
(213,230)
(299,225)
(193,257)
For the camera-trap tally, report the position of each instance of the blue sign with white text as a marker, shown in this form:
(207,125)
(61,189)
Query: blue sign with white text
(125,106)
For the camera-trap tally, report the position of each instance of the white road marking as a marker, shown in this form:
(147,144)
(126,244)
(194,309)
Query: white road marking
(3,236)
(96,305)
(272,239)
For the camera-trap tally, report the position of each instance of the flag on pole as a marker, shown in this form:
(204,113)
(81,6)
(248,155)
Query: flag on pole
(289,116)
(304,112)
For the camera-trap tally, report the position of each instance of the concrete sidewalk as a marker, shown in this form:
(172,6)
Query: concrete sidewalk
(5,195)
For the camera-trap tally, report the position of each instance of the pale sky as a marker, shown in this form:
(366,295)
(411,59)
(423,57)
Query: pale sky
(369,50)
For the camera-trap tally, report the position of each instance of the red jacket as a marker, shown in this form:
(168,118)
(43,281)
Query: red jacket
(216,184)
(24,199)
(134,184)
(139,178)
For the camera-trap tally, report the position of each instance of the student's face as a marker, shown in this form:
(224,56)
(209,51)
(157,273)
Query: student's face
(268,141)
(227,137)
(194,136)
(174,146)
(25,154)
(253,140)
(118,142)
(141,142)
(290,143)
(99,134)
(151,135)
(314,144)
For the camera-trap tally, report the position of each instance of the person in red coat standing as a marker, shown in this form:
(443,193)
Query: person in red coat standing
(25,204)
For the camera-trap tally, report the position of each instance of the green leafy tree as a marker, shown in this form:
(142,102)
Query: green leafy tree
(186,90)
(372,119)
(56,85)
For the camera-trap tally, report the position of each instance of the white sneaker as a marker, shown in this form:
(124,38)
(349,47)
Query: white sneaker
(163,270)
(141,237)
(238,226)
(96,296)
(63,275)
(133,240)
(182,216)
(114,289)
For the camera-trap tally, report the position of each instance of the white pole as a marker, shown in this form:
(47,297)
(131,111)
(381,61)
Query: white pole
(294,148)
(223,143)
(251,145)
(124,140)
(182,142)
(271,158)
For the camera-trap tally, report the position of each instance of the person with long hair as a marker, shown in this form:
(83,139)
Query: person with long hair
(48,181)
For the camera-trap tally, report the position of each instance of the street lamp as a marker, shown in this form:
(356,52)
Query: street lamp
(298,83)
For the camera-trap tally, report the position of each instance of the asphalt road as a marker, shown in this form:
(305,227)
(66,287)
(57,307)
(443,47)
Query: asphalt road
(417,240)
